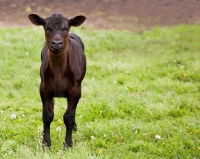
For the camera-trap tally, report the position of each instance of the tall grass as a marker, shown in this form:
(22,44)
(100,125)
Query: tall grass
(140,95)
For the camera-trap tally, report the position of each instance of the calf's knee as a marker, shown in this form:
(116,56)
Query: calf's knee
(47,117)
(69,121)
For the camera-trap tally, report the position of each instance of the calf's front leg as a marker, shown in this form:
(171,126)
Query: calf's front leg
(47,116)
(69,116)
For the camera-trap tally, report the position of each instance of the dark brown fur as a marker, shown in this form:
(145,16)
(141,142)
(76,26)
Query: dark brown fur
(62,70)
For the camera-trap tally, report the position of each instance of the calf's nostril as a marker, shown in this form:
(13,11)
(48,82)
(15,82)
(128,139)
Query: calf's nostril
(56,44)
(60,43)
(52,43)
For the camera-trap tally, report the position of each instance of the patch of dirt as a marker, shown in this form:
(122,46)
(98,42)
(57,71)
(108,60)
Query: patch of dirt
(134,15)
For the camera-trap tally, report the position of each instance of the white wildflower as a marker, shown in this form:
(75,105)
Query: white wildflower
(64,107)
(157,137)
(58,129)
(105,135)
(13,116)
(181,66)
(92,138)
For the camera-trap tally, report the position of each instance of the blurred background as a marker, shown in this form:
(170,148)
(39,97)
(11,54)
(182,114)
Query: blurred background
(134,15)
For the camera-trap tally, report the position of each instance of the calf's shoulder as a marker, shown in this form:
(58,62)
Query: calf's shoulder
(77,60)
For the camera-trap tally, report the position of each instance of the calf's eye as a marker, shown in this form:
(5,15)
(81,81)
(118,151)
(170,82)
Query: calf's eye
(65,29)
(47,29)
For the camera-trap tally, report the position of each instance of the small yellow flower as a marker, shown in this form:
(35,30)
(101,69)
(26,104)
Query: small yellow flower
(100,151)
(185,75)
(61,122)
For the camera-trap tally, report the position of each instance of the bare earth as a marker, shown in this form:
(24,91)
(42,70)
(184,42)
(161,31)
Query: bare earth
(134,15)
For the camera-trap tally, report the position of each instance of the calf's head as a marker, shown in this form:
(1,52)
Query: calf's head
(56,28)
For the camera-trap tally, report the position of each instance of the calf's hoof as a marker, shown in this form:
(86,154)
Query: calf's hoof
(67,145)
(45,146)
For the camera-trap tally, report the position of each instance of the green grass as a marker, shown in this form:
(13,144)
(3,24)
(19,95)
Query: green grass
(137,86)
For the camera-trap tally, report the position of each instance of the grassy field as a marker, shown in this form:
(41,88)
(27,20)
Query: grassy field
(140,97)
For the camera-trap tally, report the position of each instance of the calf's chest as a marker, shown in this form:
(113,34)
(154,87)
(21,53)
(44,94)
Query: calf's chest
(58,82)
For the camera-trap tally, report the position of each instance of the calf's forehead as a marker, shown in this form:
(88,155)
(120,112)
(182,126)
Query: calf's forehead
(56,19)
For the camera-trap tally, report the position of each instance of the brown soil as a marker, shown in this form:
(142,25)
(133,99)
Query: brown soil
(134,15)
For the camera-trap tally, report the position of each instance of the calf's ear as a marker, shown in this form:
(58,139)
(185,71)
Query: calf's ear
(77,21)
(36,19)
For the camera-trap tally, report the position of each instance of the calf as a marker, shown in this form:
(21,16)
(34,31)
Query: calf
(62,70)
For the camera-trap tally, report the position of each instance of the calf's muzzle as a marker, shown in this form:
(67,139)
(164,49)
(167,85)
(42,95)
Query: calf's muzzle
(56,45)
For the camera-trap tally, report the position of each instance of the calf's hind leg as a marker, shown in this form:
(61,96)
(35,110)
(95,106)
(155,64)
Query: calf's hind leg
(69,116)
